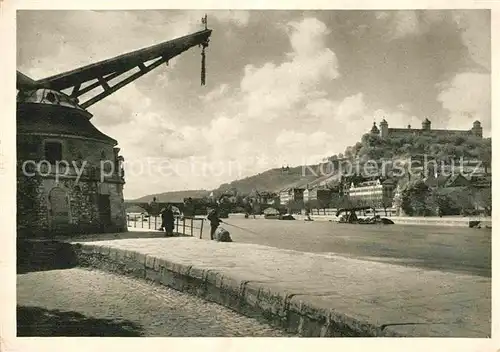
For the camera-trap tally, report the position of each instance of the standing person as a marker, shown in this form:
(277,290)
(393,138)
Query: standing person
(308,215)
(250,210)
(162,214)
(169,221)
(213,217)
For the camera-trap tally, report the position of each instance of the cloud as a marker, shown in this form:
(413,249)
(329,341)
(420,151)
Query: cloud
(399,24)
(238,18)
(272,88)
(120,107)
(244,124)
(467,98)
(36,56)
(216,94)
(397,118)
(404,107)
(381,15)
(338,124)
(405,23)
(272,108)
(350,108)
(307,37)
(80,47)
(475,28)
(304,148)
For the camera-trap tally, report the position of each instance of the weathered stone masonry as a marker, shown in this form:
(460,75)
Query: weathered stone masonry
(85,192)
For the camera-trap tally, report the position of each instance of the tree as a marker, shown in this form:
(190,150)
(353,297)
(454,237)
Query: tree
(357,147)
(311,204)
(294,206)
(349,153)
(485,154)
(415,199)
(323,202)
(445,202)
(335,199)
(483,198)
(462,199)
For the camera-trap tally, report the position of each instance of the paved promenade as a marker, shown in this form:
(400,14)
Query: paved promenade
(95,303)
(311,294)
(444,248)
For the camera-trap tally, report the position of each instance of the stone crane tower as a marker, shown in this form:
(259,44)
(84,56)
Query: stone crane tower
(69,175)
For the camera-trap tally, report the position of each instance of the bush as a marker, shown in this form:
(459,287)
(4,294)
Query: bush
(416,200)
(483,199)
(445,204)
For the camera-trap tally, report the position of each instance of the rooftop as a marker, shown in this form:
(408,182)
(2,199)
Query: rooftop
(59,120)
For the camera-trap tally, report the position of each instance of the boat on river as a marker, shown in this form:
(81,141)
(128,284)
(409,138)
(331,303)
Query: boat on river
(348,216)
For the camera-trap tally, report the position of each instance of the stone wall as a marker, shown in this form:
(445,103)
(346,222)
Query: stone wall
(31,147)
(35,216)
(31,207)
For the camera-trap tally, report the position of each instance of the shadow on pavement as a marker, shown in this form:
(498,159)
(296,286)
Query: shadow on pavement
(44,255)
(122,236)
(36,321)
(56,254)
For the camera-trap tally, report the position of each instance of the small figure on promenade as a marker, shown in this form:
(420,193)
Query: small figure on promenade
(308,215)
(352,218)
(222,235)
(248,211)
(162,226)
(213,217)
(167,217)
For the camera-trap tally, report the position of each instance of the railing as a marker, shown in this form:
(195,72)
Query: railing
(186,226)
(329,212)
(332,212)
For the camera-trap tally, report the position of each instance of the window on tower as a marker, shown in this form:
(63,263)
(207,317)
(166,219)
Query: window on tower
(53,152)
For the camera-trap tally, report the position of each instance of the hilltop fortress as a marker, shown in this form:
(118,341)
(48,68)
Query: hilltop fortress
(385,132)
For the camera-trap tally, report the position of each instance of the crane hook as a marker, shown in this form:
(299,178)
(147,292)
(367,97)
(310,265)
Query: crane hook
(203,65)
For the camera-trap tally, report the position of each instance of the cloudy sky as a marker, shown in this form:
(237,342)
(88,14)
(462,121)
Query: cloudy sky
(283,87)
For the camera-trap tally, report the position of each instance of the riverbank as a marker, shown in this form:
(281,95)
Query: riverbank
(457,221)
(305,293)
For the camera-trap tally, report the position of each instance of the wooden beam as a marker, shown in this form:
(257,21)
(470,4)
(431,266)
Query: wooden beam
(76,89)
(123,63)
(121,84)
(98,83)
(24,82)
(103,83)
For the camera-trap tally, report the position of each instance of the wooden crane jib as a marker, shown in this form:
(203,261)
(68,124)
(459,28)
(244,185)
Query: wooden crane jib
(107,70)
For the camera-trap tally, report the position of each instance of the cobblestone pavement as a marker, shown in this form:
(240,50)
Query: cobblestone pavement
(81,302)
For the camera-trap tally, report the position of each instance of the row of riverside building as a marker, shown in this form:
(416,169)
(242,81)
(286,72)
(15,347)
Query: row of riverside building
(377,191)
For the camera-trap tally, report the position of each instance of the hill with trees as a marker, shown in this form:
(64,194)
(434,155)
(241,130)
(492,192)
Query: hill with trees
(444,148)
(174,196)
(272,180)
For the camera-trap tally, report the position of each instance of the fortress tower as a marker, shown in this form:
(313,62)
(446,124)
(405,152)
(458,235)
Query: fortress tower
(384,129)
(426,125)
(386,132)
(477,130)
